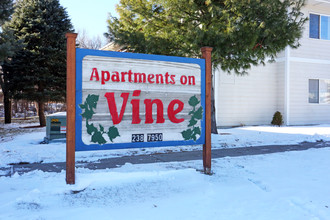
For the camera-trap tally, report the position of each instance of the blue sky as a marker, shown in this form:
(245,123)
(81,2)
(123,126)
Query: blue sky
(90,15)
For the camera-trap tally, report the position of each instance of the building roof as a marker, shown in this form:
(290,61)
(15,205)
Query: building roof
(112,47)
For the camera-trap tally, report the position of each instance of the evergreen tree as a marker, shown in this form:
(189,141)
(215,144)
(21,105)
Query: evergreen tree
(6,9)
(7,47)
(242,33)
(37,72)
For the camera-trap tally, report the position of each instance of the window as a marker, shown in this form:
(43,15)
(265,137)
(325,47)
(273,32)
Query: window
(319,91)
(314,30)
(324,88)
(313,91)
(319,26)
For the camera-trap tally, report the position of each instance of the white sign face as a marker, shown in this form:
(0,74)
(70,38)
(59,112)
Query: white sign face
(127,101)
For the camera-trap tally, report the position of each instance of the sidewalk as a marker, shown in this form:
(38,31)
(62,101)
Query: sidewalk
(162,157)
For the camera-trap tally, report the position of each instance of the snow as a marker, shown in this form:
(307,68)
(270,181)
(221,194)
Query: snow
(270,135)
(27,148)
(290,185)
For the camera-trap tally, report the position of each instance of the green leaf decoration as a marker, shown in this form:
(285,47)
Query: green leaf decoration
(193,136)
(113,133)
(196,115)
(88,114)
(90,128)
(98,138)
(192,122)
(82,106)
(89,105)
(187,134)
(193,101)
(96,134)
(197,130)
(92,100)
(101,128)
(199,113)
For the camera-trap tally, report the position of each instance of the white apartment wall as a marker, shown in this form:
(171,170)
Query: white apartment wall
(313,48)
(247,100)
(310,61)
(281,54)
(253,99)
(302,112)
(280,90)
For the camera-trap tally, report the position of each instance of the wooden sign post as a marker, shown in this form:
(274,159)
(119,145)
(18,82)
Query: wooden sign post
(206,54)
(70,107)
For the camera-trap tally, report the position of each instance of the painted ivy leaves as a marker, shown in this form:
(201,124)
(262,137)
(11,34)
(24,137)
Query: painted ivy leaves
(96,132)
(196,115)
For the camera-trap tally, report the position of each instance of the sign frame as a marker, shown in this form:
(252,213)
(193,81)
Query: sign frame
(81,53)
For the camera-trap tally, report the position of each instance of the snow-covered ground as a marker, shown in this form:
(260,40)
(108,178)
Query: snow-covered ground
(289,185)
(26,147)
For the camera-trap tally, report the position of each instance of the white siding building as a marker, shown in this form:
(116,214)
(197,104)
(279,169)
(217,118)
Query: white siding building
(297,84)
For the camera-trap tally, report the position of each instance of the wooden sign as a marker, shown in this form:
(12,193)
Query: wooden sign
(124,100)
(127,100)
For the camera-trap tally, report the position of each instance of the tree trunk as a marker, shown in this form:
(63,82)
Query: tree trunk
(214,129)
(6,100)
(25,106)
(7,108)
(15,107)
(41,113)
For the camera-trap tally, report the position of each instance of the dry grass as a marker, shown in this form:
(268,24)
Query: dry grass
(18,126)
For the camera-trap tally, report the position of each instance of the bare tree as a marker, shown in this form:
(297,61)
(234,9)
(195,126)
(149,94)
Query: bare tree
(84,41)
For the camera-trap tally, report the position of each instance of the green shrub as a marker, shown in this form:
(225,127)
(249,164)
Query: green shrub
(277,119)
